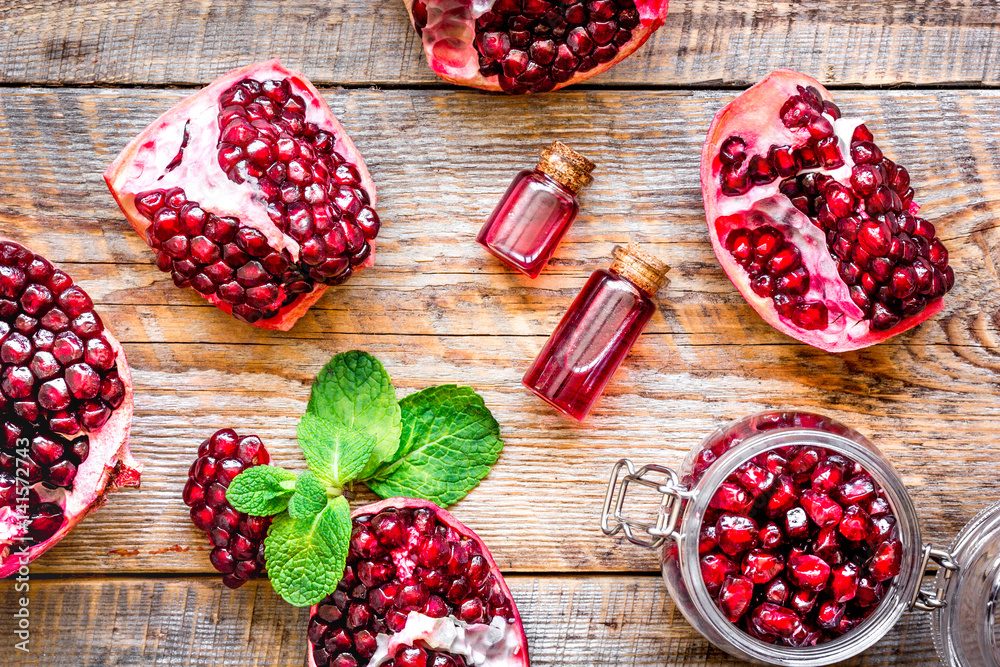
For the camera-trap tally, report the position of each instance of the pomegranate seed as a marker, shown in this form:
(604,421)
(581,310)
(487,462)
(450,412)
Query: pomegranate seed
(771,619)
(734,597)
(761,566)
(821,508)
(715,568)
(810,572)
(736,534)
(731,498)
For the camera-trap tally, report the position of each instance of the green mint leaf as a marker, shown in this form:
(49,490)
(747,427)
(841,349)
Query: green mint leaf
(261,490)
(449,441)
(336,455)
(306,557)
(309,498)
(354,392)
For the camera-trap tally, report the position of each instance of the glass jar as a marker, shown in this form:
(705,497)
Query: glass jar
(537,210)
(967,588)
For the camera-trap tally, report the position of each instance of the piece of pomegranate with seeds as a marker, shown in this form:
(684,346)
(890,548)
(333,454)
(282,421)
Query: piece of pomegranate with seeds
(66,400)
(815,226)
(530,46)
(419,589)
(252,194)
(237,538)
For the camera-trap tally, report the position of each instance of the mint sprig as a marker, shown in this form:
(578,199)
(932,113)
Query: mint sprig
(354,392)
(436,444)
(448,444)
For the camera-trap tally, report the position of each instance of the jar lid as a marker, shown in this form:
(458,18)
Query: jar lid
(966,629)
(565,166)
(636,265)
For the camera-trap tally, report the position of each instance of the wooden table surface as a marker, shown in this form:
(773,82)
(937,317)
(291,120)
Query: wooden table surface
(133,585)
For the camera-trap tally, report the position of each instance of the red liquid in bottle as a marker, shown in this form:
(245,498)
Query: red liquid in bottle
(596,333)
(538,208)
(529,222)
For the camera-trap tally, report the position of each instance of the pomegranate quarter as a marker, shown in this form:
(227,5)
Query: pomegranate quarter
(419,590)
(814,225)
(251,193)
(531,46)
(66,396)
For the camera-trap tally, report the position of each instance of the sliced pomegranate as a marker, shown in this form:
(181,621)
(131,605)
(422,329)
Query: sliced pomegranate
(522,46)
(66,396)
(237,538)
(419,589)
(251,193)
(813,224)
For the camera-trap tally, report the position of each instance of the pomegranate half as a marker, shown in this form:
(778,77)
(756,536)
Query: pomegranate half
(251,192)
(420,590)
(66,396)
(531,46)
(813,224)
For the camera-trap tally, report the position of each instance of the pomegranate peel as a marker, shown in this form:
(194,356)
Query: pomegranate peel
(85,441)
(251,192)
(525,46)
(813,224)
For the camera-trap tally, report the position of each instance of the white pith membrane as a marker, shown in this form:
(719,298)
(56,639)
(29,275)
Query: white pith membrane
(108,466)
(764,205)
(449,34)
(493,645)
(142,166)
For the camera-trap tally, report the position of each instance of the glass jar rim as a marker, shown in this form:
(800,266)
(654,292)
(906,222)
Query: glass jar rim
(889,609)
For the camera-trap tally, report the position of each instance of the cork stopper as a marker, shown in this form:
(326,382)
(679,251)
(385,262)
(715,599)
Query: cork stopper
(636,265)
(565,166)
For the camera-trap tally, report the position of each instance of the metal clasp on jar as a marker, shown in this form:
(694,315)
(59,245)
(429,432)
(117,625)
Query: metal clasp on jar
(672,492)
(930,600)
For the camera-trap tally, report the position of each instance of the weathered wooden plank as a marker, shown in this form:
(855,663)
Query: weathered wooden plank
(612,621)
(437,309)
(667,399)
(355,42)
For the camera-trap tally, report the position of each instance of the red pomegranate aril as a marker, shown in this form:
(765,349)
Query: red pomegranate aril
(771,619)
(830,614)
(736,534)
(821,508)
(856,524)
(761,566)
(844,582)
(803,601)
(886,562)
(857,490)
(807,571)
(771,536)
(735,596)
(785,496)
(715,568)
(731,498)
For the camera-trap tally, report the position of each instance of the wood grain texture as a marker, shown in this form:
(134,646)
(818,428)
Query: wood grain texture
(621,621)
(349,42)
(437,309)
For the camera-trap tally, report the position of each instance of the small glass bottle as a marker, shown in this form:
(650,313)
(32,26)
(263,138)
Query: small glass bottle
(537,209)
(597,332)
